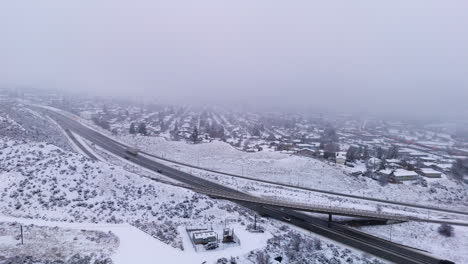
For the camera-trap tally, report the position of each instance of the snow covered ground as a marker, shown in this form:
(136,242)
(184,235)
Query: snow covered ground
(425,236)
(307,172)
(123,242)
(42,181)
(22,123)
(47,242)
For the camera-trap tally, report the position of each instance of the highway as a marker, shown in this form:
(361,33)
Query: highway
(391,202)
(373,245)
(79,145)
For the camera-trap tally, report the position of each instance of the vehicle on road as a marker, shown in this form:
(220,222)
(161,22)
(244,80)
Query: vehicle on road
(444,261)
(287,219)
(211,245)
(132,151)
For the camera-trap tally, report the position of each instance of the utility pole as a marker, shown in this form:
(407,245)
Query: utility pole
(391,227)
(21,230)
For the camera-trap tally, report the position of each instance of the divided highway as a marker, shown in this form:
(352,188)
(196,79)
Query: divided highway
(391,202)
(373,245)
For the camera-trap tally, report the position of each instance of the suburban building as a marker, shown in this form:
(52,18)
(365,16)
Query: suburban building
(404,175)
(442,167)
(306,153)
(340,157)
(430,173)
(373,163)
(393,163)
(386,172)
(428,159)
(307,146)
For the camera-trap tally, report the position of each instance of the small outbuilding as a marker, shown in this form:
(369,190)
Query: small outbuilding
(228,235)
(204,237)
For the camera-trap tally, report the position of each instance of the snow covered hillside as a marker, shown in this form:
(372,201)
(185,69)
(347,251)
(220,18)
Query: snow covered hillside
(45,244)
(43,181)
(19,122)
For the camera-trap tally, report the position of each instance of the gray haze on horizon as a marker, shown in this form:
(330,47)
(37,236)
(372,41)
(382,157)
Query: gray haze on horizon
(377,56)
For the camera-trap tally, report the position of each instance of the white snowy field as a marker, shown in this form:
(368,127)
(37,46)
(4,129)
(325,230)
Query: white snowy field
(133,245)
(48,241)
(307,172)
(425,236)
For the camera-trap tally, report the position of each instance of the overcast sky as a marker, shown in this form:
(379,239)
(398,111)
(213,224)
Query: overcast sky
(399,55)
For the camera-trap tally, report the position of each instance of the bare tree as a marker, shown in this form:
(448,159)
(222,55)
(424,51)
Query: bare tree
(262,258)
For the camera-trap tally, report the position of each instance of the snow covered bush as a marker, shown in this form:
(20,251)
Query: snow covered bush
(445,230)
(291,246)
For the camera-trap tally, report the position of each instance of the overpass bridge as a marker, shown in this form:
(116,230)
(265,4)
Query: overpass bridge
(316,208)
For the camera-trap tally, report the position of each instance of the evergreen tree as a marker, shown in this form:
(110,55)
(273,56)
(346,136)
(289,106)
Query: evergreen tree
(351,154)
(194,136)
(379,153)
(365,154)
(392,152)
(142,129)
(132,129)
(256,131)
(460,169)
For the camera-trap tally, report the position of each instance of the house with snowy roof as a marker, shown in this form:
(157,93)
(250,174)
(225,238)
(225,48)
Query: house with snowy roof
(404,175)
